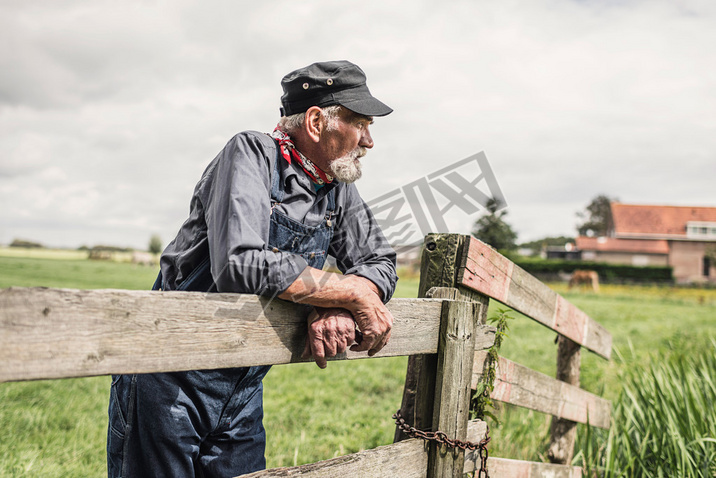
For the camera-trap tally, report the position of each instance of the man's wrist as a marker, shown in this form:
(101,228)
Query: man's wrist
(370,284)
(361,292)
(329,289)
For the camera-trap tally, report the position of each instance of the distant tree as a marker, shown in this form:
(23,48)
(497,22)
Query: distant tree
(493,230)
(597,217)
(107,248)
(26,244)
(155,244)
(539,244)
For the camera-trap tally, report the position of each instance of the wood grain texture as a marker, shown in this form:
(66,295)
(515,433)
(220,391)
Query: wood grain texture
(485,270)
(506,468)
(563,432)
(501,467)
(476,430)
(56,333)
(452,392)
(439,261)
(438,265)
(518,385)
(406,459)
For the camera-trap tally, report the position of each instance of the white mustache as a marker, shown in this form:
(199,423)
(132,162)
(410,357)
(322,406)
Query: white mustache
(359,152)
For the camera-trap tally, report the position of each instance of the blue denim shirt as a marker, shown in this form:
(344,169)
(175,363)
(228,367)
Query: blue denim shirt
(229,221)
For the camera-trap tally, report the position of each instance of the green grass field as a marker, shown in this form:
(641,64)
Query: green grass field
(57,428)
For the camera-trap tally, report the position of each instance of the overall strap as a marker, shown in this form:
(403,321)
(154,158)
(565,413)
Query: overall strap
(159,283)
(331,201)
(276,191)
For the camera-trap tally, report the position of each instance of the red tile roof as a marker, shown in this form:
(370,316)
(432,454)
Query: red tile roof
(636,220)
(610,244)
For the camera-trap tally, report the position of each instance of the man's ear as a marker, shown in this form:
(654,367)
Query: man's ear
(314,123)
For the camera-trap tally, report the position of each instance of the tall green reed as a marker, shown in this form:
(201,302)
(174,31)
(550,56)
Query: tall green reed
(663,421)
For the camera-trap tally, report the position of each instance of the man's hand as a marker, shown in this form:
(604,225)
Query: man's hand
(330,332)
(373,318)
(359,296)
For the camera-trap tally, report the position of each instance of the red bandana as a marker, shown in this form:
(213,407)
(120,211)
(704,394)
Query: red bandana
(289,152)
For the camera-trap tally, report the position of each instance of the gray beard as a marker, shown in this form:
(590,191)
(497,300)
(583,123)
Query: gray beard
(347,169)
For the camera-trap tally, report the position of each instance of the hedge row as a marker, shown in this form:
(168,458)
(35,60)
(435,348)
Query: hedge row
(607,272)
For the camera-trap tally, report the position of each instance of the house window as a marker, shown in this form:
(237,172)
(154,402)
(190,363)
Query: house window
(700,230)
(639,260)
(707,267)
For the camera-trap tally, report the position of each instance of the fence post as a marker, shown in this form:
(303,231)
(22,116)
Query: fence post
(441,258)
(437,269)
(452,392)
(563,432)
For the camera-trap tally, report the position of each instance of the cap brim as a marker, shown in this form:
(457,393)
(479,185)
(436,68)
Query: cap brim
(367,106)
(359,100)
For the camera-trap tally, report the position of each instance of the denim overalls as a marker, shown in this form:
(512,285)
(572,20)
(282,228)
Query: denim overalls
(204,423)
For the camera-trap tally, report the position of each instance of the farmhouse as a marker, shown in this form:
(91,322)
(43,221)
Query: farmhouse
(682,237)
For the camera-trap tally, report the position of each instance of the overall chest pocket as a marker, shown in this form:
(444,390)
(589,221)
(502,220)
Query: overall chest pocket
(311,243)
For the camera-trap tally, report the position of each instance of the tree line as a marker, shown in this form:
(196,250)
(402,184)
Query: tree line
(492,229)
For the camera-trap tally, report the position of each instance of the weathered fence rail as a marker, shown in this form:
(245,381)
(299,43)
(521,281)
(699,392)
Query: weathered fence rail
(58,333)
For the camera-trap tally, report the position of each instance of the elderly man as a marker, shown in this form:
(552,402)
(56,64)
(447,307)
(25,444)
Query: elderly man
(266,212)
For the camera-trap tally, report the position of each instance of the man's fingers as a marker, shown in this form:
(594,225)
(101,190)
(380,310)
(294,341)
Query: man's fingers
(375,322)
(346,339)
(364,345)
(371,343)
(317,350)
(330,332)
(329,343)
(319,356)
(379,345)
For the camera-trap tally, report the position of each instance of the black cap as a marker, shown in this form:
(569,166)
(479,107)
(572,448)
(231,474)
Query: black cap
(329,83)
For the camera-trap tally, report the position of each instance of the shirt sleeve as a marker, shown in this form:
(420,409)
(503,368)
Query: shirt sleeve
(237,202)
(360,247)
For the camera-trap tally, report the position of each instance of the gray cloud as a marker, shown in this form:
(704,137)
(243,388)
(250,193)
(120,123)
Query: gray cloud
(110,111)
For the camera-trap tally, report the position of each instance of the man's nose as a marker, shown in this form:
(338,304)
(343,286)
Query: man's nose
(366,140)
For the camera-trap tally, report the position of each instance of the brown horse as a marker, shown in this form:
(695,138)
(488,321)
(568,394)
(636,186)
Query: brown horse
(584,277)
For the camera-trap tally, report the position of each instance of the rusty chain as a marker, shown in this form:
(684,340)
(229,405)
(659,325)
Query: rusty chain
(442,439)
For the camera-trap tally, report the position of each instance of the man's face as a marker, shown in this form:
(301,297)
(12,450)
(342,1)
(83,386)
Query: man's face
(345,144)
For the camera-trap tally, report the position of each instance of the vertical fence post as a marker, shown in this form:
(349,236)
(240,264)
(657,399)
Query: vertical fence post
(456,351)
(563,432)
(441,259)
(438,264)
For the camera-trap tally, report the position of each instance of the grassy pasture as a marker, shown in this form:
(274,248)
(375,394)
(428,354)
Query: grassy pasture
(58,427)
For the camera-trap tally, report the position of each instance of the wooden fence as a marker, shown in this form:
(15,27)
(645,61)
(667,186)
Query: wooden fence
(58,333)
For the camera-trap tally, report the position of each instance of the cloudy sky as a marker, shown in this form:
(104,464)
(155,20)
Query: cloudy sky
(110,111)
